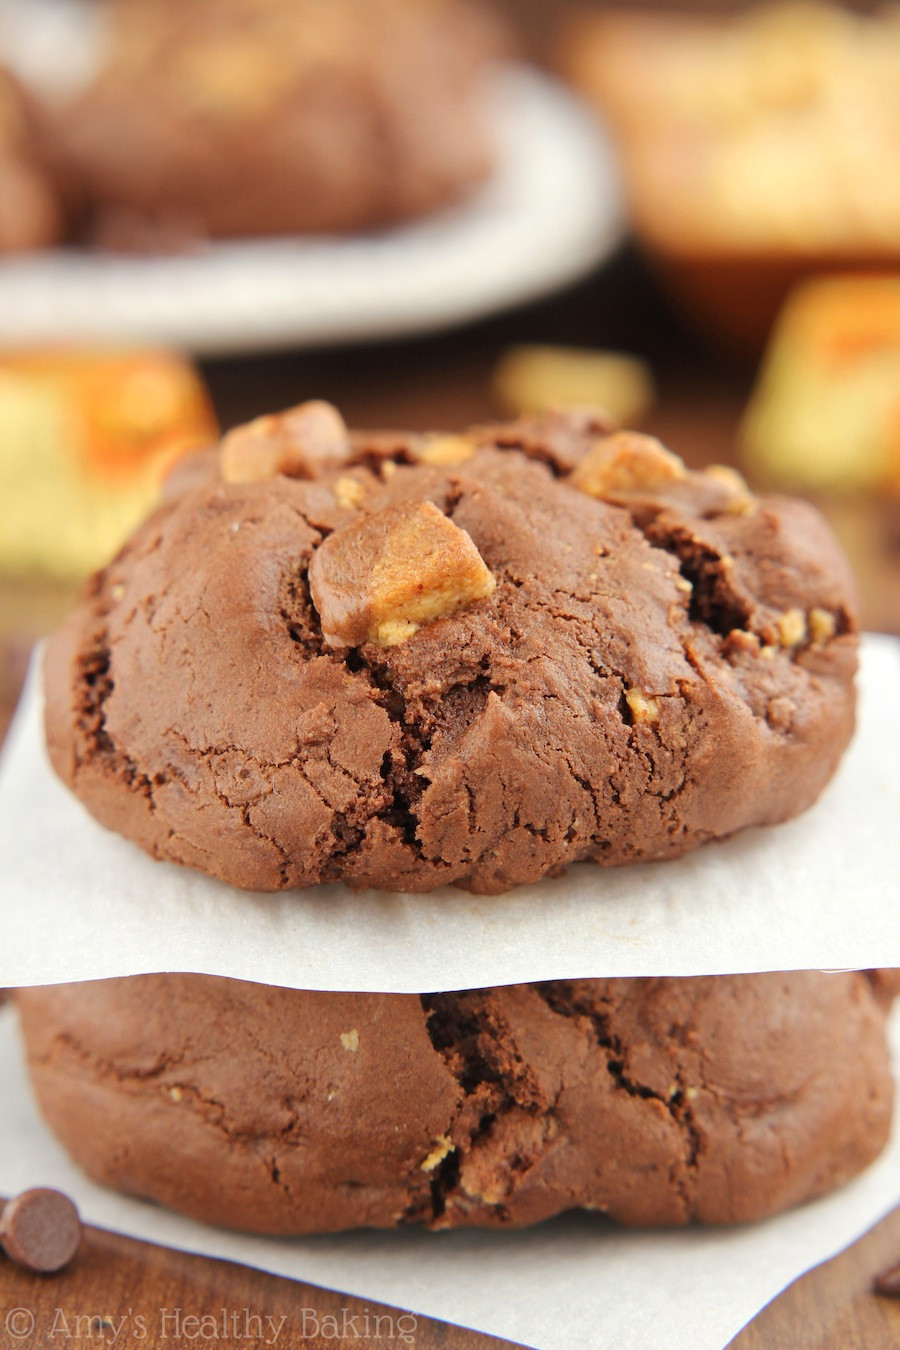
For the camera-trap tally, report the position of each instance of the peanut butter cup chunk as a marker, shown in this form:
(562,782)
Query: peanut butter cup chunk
(626,462)
(382,576)
(299,443)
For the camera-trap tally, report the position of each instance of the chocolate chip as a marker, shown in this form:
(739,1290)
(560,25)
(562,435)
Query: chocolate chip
(40,1229)
(888,1282)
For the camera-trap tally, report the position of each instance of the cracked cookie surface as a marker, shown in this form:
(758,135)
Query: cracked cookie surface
(646,659)
(654,1101)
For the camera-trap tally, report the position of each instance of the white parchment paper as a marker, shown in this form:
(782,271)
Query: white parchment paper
(575,1282)
(819,892)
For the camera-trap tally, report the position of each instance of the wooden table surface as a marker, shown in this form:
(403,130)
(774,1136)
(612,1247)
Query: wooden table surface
(119,1291)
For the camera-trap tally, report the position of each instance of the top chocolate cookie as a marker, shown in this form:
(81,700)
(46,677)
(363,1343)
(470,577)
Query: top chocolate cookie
(409,660)
(227,118)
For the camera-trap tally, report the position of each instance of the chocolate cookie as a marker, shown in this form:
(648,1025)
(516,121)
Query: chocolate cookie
(405,660)
(253,117)
(656,1101)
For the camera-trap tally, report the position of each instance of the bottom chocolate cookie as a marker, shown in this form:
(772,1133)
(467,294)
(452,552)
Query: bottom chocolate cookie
(654,1101)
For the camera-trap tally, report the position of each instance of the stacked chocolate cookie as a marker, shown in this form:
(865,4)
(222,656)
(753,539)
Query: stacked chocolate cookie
(226,118)
(408,661)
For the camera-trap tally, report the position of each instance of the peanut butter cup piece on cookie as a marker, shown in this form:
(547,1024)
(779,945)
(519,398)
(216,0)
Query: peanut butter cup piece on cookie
(381,577)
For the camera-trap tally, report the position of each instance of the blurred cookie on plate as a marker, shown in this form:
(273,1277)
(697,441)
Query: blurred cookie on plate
(256,117)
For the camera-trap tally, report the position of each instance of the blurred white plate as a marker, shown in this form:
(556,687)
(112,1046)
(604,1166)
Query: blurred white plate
(552,210)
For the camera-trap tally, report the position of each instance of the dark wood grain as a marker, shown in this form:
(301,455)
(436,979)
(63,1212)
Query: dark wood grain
(833,1307)
(126,1293)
